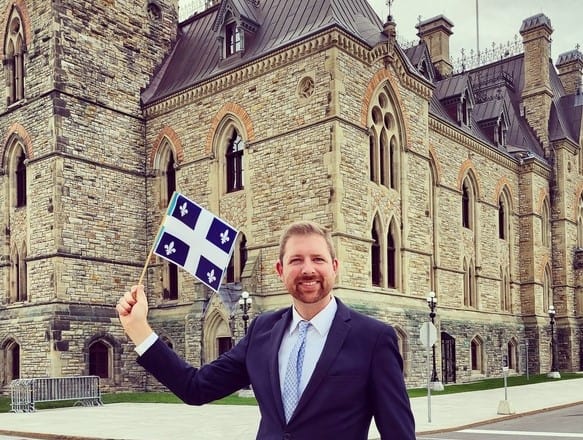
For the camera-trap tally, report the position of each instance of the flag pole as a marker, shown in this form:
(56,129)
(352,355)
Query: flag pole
(143,274)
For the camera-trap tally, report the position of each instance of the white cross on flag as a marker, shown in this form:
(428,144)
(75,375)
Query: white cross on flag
(196,240)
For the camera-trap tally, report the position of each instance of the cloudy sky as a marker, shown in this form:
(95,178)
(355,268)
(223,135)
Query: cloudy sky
(499,20)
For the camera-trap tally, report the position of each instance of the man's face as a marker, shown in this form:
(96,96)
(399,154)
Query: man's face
(307,270)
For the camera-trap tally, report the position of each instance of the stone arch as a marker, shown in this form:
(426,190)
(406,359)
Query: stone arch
(167,134)
(384,76)
(16,134)
(503,186)
(114,354)
(216,325)
(435,164)
(236,111)
(20,5)
(468,170)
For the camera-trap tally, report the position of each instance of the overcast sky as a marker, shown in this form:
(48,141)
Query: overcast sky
(499,20)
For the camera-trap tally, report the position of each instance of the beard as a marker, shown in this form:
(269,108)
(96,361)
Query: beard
(310,290)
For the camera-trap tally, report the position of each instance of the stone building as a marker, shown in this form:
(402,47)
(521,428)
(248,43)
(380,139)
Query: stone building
(466,183)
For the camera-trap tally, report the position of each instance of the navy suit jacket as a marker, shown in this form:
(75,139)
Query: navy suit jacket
(358,376)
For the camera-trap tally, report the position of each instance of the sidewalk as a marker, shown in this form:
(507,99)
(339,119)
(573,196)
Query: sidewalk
(146,421)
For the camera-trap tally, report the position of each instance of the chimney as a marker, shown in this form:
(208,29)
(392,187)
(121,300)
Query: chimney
(537,94)
(570,66)
(435,32)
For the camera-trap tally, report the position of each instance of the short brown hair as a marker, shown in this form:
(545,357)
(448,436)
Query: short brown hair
(305,227)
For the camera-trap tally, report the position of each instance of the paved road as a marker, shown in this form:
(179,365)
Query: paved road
(565,423)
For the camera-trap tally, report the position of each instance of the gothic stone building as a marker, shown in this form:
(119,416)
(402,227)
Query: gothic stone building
(468,184)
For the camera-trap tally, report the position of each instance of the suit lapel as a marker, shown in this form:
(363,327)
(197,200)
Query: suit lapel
(275,341)
(336,336)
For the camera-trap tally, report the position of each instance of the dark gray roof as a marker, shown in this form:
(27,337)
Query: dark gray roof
(452,86)
(488,110)
(195,56)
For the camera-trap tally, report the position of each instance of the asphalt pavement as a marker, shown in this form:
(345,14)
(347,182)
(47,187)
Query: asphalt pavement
(152,421)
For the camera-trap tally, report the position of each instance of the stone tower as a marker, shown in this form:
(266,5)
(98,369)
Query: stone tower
(73,193)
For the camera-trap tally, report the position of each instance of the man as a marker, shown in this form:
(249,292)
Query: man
(319,370)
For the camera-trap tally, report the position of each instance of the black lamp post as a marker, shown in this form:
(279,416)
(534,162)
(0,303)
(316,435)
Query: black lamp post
(554,370)
(432,303)
(245,304)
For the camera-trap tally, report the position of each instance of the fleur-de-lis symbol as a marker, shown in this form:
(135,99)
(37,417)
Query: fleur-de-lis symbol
(225,236)
(183,209)
(169,248)
(211,276)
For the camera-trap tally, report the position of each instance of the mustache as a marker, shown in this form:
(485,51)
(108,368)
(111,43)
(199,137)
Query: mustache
(308,278)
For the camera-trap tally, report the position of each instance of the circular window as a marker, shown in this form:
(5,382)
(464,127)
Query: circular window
(306,87)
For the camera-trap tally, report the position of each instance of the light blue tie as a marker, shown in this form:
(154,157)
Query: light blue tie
(293,373)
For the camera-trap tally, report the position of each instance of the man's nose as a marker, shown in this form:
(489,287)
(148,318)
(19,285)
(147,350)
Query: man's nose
(308,267)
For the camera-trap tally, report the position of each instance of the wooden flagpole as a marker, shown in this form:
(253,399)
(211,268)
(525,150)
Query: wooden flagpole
(143,274)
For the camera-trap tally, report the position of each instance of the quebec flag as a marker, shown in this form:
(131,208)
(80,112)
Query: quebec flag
(196,240)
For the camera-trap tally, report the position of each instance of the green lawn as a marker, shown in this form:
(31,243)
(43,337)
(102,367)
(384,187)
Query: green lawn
(161,397)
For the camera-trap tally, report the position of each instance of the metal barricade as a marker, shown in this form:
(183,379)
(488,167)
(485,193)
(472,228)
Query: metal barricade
(25,393)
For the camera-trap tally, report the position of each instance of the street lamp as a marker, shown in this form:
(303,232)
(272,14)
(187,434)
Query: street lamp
(554,373)
(245,304)
(432,303)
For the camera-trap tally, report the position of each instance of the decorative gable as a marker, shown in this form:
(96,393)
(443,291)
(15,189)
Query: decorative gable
(456,95)
(236,24)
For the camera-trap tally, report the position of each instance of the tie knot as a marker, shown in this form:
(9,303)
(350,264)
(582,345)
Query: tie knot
(303,327)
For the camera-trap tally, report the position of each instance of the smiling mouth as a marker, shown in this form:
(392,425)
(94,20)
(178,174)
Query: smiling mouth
(309,283)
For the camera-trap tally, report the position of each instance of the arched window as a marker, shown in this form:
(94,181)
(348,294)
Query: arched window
(470,288)
(468,200)
(166,166)
(238,260)
(14,49)
(547,289)
(580,224)
(22,292)
(505,291)
(99,360)
(17,173)
(477,355)
(466,271)
(376,272)
(18,277)
(385,140)
(473,285)
(392,256)
(502,219)
(545,230)
(234,162)
(372,156)
(20,179)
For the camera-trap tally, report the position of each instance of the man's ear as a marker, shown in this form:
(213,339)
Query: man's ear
(279,267)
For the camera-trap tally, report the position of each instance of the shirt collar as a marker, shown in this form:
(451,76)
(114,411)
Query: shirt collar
(321,322)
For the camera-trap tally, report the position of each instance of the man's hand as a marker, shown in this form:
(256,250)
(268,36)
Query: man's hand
(132,309)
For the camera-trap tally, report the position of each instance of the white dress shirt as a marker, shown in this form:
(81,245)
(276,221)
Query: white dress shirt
(315,340)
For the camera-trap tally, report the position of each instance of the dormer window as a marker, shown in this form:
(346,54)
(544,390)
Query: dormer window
(465,110)
(501,130)
(425,70)
(233,39)
(235,28)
